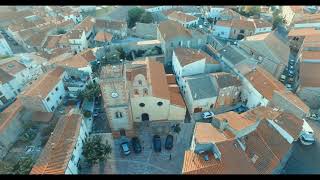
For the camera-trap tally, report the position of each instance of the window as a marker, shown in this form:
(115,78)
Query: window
(136,92)
(141,104)
(72,157)
(241,31)
(160,103)
(180,43)
(118,115)
(211,106)
(57,88)
(60,97)
(145,91)
(48,99)
(140,82)
(234,31)
(52,108)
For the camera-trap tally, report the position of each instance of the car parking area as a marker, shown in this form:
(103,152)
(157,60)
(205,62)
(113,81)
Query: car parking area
(149,161)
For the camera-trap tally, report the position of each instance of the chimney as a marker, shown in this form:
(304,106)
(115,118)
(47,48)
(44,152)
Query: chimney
(223,124)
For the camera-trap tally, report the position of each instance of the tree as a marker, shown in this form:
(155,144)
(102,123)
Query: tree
(5,168)
(95,151)
(23,166)
(122,53)
(146,18)
(91,91)
(61,31)
(277,19)
(134,15)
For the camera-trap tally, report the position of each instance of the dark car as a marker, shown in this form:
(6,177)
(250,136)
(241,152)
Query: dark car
(169,142)
(157,143)
(136,144)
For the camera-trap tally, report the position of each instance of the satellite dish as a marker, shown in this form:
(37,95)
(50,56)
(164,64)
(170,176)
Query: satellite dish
(114,95)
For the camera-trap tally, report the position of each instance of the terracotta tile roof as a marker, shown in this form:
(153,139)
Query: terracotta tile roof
(74,34)
(9,114)
(260,113)
(180,16)
(77,61)
(235,120)
(12,67)
(42,116)
(271,46)
(303,32)
(170,29)
(57,153)
(110,24)
(37,39)
(205,133)
(310,55)
(88,55)
(262,157)
(171,79)
(274,140)
(264,82)
(176,98)
(158,80)
(224,23)
(226,79)
(187,56)
(261,24)
(242,24)
(86,25)
(294,100)
(309,74)
(233,161)
(307,18)
(297,9)
(52,41)
(103,37)
(5,77)
(44,84)
(290,123)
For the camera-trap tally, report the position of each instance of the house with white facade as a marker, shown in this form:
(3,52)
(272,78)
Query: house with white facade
(46,93)
(262,26)
(188,62)
(184,19)
(14,77)
(77,40)
(63,151)
(88,26)
(200,93)
(5,49)
(222,29)
(153,9)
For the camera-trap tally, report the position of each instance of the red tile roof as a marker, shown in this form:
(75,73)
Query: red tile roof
(57,153)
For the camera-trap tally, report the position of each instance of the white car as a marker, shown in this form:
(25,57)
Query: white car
(207,115)
(125,148)
(306,136)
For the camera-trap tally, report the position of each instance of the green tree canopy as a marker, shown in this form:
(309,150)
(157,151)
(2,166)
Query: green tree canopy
(146,18)
(91,91)
(23,166)
(94,150)
(277,19)
(134,15)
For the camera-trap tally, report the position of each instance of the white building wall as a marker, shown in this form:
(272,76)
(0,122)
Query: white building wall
(263,30)
(222,31)
(254,98)
(5,48)
(307,25)
(215,12)
(54,97)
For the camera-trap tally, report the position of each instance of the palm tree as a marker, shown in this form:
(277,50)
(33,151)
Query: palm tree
(92,90)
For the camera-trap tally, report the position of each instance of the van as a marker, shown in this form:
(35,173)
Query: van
(307,134)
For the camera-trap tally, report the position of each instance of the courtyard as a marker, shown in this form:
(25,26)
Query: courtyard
(148,161)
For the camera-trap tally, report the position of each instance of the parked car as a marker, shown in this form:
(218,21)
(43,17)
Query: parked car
(282,78)
(169,142)
(157,143)
(125,148)
(136,144)
(208,114)
(307,136)
(292,62)
(289,86)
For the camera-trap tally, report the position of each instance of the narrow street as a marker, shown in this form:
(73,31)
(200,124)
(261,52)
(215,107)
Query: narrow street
(305,159)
